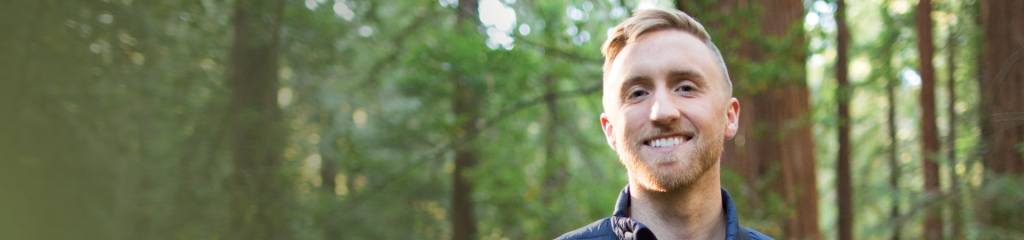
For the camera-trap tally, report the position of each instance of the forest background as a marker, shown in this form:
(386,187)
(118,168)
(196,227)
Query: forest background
(478,119)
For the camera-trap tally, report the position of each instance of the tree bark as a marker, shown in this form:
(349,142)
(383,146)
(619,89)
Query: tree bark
(1002,114)
(329,157)
(929,131)
(954,180)
(1002,84)
(466,110)
(843,93)
(889,37)
(555,168)
(894,165)
(554,163)
(259,189)
(774,143)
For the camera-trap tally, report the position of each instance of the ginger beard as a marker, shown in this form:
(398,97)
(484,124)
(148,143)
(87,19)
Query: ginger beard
(665,172)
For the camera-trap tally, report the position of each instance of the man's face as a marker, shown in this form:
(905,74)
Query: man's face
(668,110)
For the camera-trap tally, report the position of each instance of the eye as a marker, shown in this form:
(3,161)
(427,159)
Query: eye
(635,93)
(686,89)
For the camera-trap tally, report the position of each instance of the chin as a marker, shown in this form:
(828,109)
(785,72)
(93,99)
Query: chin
(678,175)
(665,176)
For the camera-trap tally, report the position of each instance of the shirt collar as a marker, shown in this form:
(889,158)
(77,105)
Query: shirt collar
(621,213)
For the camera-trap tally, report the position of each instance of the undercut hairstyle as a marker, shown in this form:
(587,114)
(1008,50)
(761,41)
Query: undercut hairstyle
(651,20)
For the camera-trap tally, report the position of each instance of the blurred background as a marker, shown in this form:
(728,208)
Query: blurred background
(478,119)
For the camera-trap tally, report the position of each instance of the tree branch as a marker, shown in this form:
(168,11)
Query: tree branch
(398,46)
(559,52)
(486,124)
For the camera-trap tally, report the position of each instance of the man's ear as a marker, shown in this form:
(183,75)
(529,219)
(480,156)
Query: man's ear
(732,116)
(606,127)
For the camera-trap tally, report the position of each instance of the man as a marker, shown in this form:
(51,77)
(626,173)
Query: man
(668,110)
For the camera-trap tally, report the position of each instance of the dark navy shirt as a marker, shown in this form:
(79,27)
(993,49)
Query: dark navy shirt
(620,226)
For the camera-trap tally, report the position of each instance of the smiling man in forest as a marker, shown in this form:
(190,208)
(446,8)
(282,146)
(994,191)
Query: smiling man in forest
(668,110)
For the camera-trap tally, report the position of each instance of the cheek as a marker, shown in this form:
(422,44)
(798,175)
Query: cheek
(704,116)
(632,123)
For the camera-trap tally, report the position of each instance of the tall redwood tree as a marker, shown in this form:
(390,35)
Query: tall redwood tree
(843,97)
(466,109)
(775,143)
(929,131)
(259,189)
(1002,111)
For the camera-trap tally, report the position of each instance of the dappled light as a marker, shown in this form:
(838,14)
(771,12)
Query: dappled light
(482,119)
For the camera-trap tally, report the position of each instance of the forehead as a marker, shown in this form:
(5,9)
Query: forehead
(658,53)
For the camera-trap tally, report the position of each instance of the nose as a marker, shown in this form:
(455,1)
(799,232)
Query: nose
(663,111)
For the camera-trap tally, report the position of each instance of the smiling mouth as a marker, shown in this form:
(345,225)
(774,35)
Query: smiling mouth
(667,141)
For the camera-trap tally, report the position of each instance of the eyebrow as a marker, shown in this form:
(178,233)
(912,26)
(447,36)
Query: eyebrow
(673,75)
(688,74)
(636,80)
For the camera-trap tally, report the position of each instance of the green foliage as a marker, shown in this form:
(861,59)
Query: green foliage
(113,118)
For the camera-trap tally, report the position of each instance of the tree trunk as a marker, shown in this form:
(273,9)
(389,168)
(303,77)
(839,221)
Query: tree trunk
(843,93)
(554,164)
(466,110)
(929,131)
(329,157)
(894,165)
(259,189)
(778,148)
(954,180)
(555,168)
(1002,114)
(889,37)
(1002,85)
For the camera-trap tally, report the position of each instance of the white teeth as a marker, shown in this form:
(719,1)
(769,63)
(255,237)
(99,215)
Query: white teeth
(666,142)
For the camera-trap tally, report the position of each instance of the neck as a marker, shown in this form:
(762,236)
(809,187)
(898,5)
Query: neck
(692,211)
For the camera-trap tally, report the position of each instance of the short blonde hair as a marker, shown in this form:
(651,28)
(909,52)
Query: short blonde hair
(650,20)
